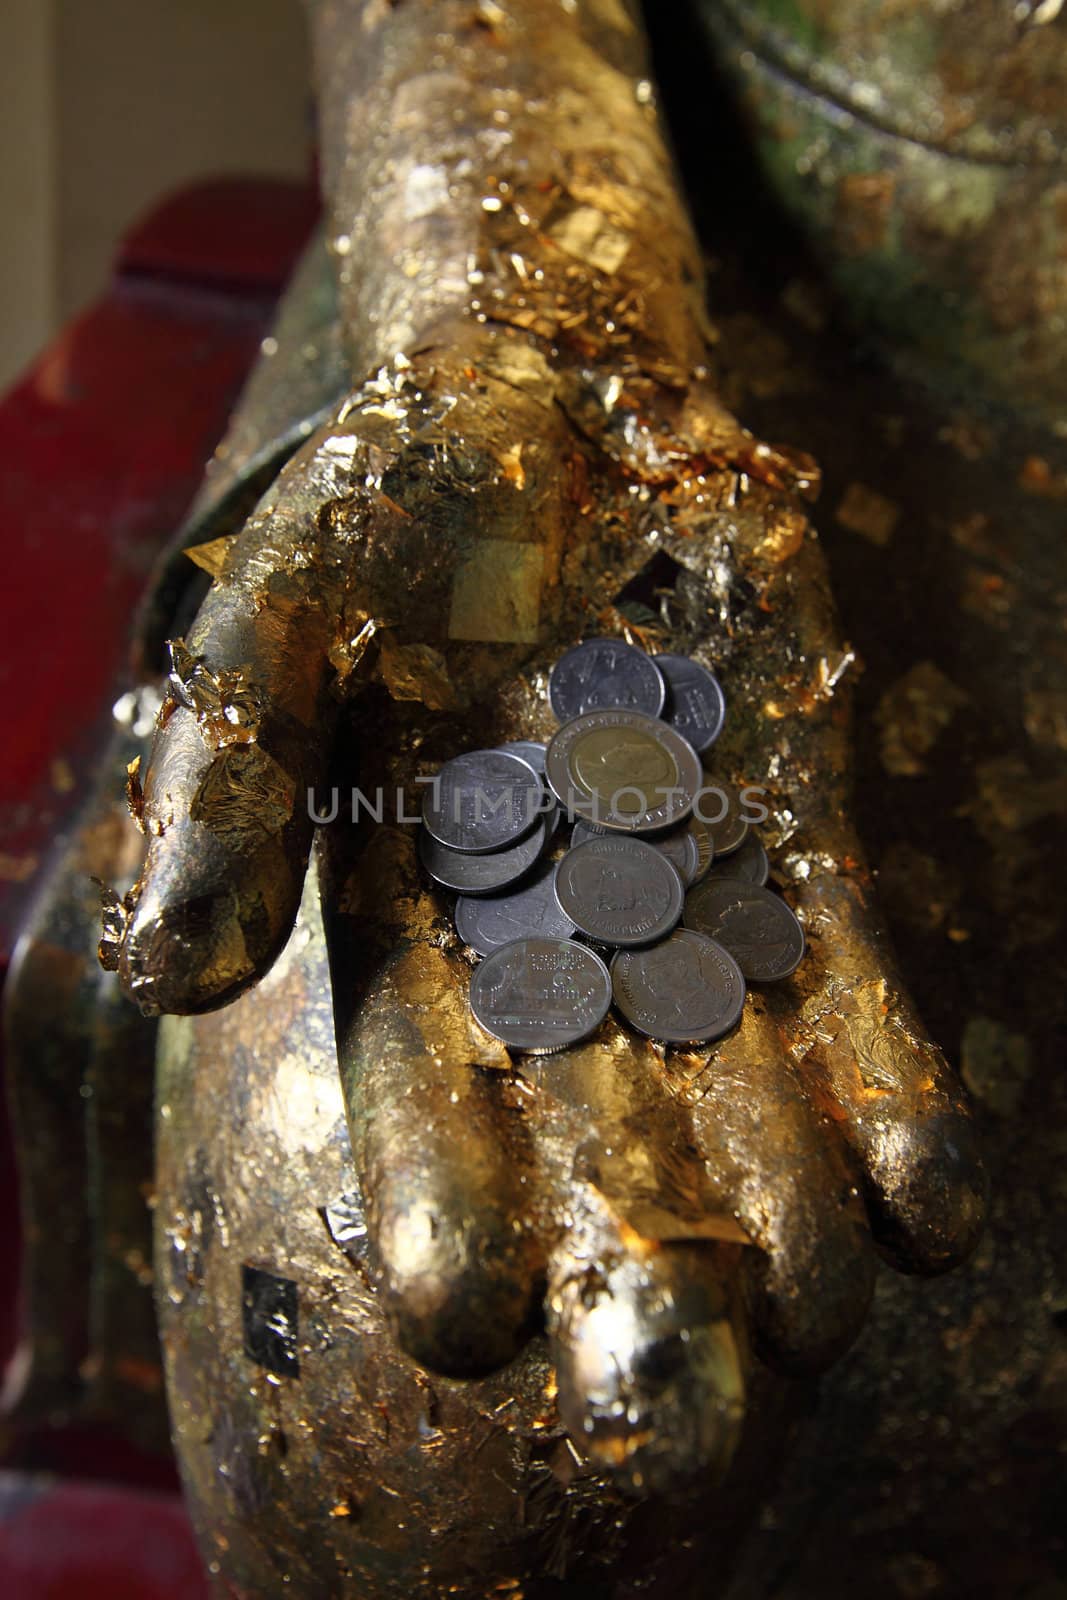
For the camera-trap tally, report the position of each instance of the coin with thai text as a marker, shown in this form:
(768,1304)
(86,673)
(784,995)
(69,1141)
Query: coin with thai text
(532,909)
(623,771)
(679,845)
(484,874)
(696,705)
(620,891)
(529,750)
(540,994)
(685,989)
(602,674)
(754,924)
(483,800)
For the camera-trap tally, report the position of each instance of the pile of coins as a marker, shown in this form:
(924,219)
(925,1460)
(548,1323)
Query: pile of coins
(661,868)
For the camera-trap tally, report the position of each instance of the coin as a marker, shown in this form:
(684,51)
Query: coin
(540,994)
(620,891)
(494,920)
(623,771)
(528,750)
(481,801)
(755,925)
(720,808)
(681,847)
(484,874)
(698,854)
(749,862)
(603,674)
(696,705)
(705,849)
(686,988)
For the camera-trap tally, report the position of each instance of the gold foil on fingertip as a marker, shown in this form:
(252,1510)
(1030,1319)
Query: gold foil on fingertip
(244,797)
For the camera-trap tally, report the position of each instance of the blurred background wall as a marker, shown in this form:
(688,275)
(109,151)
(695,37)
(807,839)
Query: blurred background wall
(108,105)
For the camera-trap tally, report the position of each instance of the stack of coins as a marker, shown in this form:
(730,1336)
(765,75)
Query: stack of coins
(662,874)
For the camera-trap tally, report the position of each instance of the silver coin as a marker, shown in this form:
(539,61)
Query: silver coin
(484,874)
(749,862)
(541,994)
(604,674)
(495,920)
(720,808)
(527,750)
(696,705)
(705,848)
(483,800)
(623,771)
(681,846)
(619,891)
(683,990)
(754,924)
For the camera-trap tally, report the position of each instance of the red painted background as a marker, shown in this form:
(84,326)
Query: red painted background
(102,444)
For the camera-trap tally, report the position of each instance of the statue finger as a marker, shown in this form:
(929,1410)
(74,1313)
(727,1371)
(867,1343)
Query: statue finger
(650,1356)
(445,1166)
(243,737)
(777,1156)
(900,1105)
(719,1145)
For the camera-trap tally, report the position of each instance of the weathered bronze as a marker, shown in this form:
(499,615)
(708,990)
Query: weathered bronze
(921,150)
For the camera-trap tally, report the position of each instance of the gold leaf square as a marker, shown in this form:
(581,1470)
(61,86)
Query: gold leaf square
(496,595)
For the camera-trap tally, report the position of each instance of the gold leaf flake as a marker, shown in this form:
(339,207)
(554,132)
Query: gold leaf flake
(347,654)
(228,706)
(134,793)
(587,235)
(416,672)
(511,461)
(995,1063)
(211,557)
(496,593)
(865,511)
(244,795)
(912,714)
(115,915)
